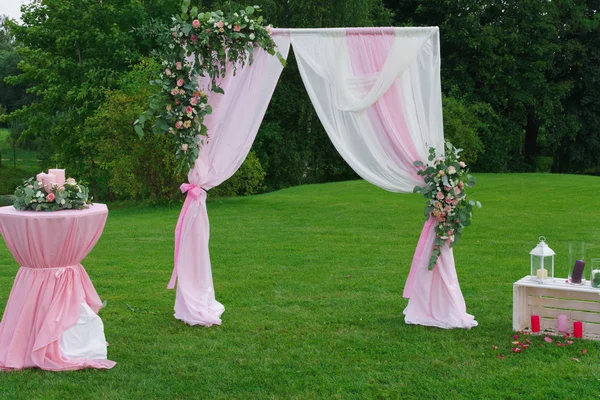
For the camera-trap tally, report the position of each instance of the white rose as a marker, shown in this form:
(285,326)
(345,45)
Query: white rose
(251,36)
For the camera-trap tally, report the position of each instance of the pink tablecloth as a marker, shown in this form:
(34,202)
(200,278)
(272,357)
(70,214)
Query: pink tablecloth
(51,285)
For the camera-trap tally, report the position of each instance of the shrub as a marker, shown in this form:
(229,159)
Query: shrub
(249,179)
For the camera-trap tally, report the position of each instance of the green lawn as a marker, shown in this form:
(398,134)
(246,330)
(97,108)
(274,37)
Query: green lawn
(311,278)
(27,164)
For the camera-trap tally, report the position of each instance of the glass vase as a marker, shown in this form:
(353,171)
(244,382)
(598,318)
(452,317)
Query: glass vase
(576,252)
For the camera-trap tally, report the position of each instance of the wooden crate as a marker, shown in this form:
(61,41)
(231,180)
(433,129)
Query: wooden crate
(548,300)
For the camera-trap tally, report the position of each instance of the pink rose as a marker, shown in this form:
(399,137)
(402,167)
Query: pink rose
(193,101)
(175,92)
(237,28)
(180,82)
(462,164)
(220,24)
(178,65)
(188,109)
(194,38)
(461,184)
(440,195)
(455,202)
(195,24)
(50,198)
(168,72)
(447,209)
(447,188)
(450,232)
(178,124)
(184,147)
(456,190)
(451,170)
(448,200)
(181,91)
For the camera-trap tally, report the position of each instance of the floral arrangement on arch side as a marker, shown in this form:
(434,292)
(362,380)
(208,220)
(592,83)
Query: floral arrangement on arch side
(39,196)
(446,179)
(200,44)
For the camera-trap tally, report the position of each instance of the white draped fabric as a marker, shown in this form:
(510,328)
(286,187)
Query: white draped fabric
(405,67)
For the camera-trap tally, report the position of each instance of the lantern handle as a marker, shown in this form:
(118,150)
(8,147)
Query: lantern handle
(542,238)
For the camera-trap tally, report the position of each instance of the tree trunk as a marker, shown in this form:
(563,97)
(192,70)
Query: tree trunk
(531,135)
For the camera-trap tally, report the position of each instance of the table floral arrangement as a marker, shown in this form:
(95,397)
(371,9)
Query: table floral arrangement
(445,180)
(51,192)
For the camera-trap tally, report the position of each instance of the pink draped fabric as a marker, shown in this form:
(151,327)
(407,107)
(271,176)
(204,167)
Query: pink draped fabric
(50,286)
(438,300)
(232,128)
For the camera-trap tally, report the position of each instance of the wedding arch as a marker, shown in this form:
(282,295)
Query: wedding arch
(377,93)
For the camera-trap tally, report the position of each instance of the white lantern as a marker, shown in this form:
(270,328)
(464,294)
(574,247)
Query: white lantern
(542,262)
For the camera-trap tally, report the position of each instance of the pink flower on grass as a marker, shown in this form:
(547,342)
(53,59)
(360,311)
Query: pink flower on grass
(50,198)
(178,65)
(439,195)
(168,72)
(462,164)
(220,24)
(195,24)
(178,124)
(237,28)
(188,110)
(180,82)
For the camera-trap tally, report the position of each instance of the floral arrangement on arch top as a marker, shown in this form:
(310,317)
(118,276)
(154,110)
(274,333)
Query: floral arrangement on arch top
(200,44)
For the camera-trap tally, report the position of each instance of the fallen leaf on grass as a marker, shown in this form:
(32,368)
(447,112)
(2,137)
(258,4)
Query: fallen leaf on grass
(515,336)
(575,359)
(528,341)
(548,339)
(569,342)
(501,357)
(584,351)
(517,342)
(495,347)
(516,350)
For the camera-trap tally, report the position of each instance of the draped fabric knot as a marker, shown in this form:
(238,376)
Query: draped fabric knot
(60,271)
(192,192)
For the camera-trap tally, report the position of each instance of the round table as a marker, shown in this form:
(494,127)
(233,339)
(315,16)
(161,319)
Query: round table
(50,320)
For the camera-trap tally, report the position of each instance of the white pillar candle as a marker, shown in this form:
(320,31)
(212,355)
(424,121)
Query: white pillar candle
(59,174)
(40,177)
(49,181)
(542,273)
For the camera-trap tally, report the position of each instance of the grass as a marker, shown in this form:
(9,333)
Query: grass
(311,278)
(27,164)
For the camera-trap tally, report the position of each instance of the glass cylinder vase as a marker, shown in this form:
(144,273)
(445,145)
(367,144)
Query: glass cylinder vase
(576,252)
(595,272)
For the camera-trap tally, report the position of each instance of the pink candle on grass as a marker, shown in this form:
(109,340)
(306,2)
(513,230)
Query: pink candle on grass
(59,174)
(535,323)
(563,323)
(577,329)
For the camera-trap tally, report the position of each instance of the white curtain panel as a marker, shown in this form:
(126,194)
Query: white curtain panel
(348,103)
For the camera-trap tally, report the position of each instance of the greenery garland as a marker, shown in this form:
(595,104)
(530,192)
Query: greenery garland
(201,44)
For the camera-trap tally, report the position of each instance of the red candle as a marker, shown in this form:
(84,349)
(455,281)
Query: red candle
(535,323)
(577,329)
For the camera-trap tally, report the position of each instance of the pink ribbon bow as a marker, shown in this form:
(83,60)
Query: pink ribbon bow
(193,193)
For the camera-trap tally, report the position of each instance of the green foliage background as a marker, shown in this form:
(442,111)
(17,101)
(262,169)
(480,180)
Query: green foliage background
(521,83)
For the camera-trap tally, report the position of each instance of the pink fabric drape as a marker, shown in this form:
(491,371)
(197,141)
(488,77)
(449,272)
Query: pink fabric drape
(435,298)
(438,300)
(50,286)
(232,128)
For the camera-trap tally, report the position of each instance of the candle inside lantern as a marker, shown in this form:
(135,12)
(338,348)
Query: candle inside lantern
(577,271)
(59,174)
(563,323)
(577,329)
(535,323)
(40,177)
(542,273)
